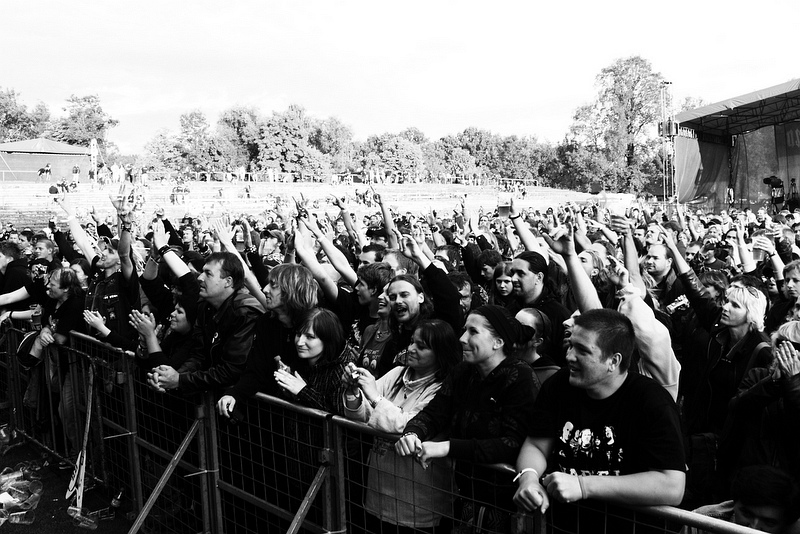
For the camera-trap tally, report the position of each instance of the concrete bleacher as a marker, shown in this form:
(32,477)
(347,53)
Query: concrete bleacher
(29,204)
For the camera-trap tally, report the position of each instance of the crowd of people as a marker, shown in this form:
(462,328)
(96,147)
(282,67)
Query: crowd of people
(645,356)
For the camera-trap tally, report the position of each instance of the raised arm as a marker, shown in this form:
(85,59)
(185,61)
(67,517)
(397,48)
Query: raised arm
(302,245)
(225,239)
(79,235)
(584,290)
(526,237)
(161,240)
(622,226)
(388,222)
(335,256)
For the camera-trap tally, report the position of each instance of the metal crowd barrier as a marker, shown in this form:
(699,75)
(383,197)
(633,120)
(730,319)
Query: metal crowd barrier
(281,468)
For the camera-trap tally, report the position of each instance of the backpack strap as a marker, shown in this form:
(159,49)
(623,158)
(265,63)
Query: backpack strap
(753,356)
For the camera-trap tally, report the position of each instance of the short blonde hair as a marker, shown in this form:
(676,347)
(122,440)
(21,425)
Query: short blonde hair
(789,331)
(753,301)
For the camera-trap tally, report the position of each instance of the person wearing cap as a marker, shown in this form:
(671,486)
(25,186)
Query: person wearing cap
(485,406)
(378,235)
(601,432)
(113,282)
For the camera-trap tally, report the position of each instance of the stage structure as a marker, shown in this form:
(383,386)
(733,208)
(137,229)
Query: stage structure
(739,152)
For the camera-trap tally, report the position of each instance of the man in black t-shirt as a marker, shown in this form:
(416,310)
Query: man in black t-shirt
(599,431)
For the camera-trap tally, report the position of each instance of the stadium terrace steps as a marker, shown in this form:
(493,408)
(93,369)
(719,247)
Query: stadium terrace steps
(31,205)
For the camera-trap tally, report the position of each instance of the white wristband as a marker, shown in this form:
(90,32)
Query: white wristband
(526,470)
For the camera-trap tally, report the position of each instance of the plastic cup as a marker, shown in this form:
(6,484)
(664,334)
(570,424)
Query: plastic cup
(32,502)
(85,521)
(22,518)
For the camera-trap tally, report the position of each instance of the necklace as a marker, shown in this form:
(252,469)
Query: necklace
(380,333)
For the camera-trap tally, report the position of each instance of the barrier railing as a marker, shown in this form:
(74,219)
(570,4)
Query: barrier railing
(281,468)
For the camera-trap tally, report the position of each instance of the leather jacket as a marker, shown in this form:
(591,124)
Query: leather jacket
(723,365)
(222,341)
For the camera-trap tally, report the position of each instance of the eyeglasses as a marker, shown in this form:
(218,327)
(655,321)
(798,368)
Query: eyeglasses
(750,289)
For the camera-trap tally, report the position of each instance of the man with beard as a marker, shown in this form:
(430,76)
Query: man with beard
(410,303)
(658,264)
(529,278)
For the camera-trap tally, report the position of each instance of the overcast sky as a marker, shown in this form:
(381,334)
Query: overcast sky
(517,67)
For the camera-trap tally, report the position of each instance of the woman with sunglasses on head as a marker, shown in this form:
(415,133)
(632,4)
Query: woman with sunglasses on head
(736,344)
(762,428)
(400,493)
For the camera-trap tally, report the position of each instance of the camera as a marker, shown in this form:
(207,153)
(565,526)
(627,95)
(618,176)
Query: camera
(773,181)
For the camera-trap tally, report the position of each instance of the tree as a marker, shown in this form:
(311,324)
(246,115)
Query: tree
(630,101)
(691,102)
(195,140)
(415,135)
(284,144)
(85,120)
(394,154)
(609,138)
(521,158)
(163,153)
(16,123)
(241,127)
(484,146)
(335,139)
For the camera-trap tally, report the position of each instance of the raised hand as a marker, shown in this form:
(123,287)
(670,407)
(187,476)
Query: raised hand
(563,242)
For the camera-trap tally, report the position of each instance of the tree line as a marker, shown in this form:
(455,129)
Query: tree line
(612,140)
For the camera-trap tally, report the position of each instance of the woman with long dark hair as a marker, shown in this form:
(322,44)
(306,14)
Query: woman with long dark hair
(501,287)
(400,493)
(483,407)
(316,381)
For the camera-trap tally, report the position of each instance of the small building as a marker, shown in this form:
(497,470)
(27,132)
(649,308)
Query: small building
(21,160)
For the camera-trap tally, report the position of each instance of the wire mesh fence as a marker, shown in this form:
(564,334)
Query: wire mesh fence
(281,468)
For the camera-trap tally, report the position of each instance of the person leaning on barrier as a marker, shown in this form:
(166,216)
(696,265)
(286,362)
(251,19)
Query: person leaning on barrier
(599,431)
(399,491)
(180,309)
(763,498)
(485,406)
(222,334)
(290,294)
(113,281)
